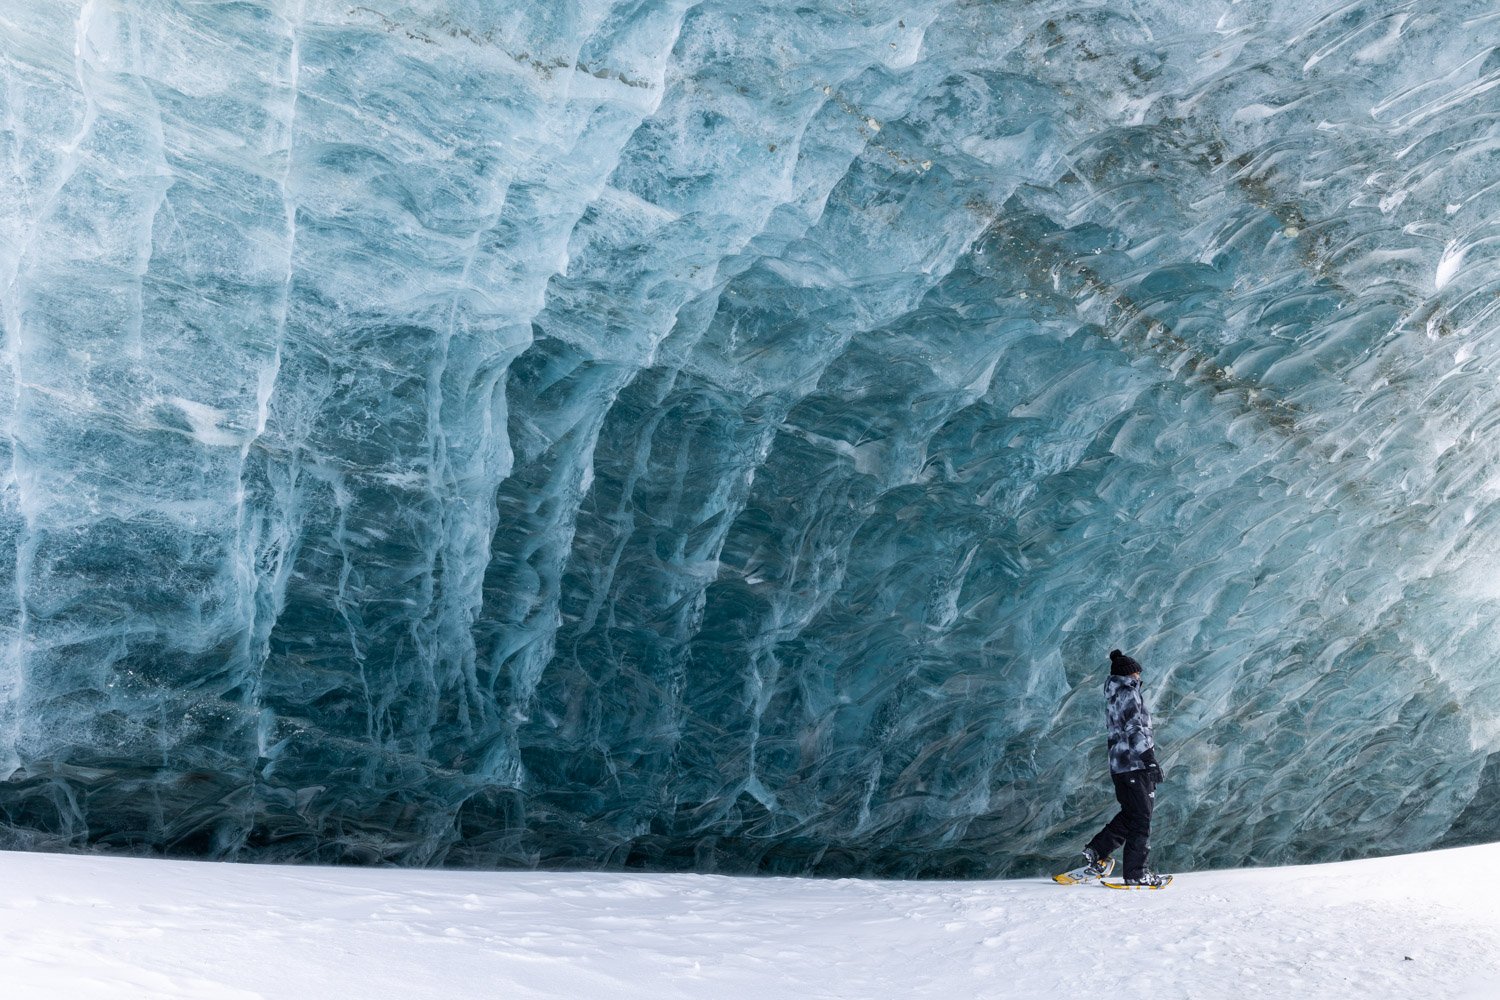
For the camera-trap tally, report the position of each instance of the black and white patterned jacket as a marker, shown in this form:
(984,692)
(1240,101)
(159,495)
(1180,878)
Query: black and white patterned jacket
(1131,747)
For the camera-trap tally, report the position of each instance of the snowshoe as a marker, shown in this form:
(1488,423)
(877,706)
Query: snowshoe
(1150,880)
(1093,868)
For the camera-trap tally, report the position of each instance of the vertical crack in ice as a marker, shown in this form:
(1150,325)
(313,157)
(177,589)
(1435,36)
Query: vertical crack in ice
(266,529)
(12,681)
(18,480)
(158,184)
(12,670)
(346,604)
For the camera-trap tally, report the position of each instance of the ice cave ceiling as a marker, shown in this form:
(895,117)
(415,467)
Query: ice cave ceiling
(730,435)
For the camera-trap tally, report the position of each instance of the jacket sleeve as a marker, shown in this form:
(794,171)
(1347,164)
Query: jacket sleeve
(1140,724)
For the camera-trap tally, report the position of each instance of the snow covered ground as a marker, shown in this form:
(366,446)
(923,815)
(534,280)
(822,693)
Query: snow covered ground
(1424,926)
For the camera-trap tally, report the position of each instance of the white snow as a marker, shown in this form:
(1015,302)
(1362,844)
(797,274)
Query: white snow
(1423,926)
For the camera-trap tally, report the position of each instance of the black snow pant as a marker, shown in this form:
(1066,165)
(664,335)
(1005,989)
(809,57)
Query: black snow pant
(1132,825)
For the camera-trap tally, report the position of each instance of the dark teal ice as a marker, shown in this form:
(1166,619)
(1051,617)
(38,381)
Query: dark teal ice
(730,436)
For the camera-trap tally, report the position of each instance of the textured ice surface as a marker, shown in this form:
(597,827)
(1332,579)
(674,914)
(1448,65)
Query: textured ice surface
(730,435)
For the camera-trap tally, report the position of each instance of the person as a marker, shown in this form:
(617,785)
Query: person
(1136,773)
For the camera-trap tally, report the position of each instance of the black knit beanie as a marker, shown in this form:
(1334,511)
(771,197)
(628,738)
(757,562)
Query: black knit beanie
(1121,665)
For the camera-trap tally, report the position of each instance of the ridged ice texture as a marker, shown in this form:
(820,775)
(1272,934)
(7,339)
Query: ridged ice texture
(730,434)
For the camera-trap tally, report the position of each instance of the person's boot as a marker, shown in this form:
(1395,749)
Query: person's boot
(1092,869)
(1149,880)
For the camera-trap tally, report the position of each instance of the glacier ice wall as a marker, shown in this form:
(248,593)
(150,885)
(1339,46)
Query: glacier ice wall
(729,434)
